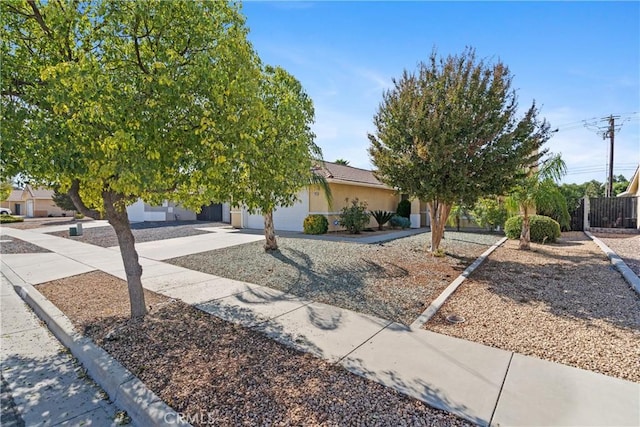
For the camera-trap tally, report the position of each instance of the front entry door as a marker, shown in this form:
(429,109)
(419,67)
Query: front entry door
(29,208)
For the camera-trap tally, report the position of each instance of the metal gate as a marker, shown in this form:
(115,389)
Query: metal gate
(577,217)
(613,212)
(211,213)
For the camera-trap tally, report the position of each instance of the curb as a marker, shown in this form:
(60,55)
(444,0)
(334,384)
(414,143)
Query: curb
(618,263)
(438,302)
(125,390)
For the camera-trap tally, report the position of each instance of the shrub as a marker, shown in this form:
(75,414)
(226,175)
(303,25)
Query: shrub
(381,217)
(542,228)
(400,221)
(78,216)
(404,209)
(355,217)
(6,219)
(315,224)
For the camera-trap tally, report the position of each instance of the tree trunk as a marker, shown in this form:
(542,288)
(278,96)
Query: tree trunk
(74,194)
(525,234)
(438,213)
(269,233)
(117,217)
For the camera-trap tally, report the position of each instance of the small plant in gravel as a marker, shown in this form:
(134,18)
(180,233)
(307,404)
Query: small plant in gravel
(355,217)
(404,209)
(315,224)
(400,221)
(6,219)
(382,217)
(543,228)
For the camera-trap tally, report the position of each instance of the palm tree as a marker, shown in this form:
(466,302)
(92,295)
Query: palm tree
(342,162)
(537,189)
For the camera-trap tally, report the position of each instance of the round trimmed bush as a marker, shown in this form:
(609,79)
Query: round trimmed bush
(542,228)
(315,224)
(400,221)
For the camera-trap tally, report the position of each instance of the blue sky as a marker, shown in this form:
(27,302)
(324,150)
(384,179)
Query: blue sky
(578,61)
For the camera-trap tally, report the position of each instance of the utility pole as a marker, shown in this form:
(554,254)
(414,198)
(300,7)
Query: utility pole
(607,130)
(611,134)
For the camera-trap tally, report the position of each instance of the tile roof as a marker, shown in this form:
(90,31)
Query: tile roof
(40,192)
(333,171)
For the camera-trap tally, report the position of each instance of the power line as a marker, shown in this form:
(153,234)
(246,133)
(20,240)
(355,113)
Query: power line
(607,128)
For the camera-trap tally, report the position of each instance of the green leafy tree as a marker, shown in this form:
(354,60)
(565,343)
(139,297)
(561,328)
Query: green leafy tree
(558,210)
(594,188)
(115,101)
(620,184)
(281,162)
(489,212)
(537,189)
(455,215)
(63,201)
(342,162)
(449,133)
(5,189)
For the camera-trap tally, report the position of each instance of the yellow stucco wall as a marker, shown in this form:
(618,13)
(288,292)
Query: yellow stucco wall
(42,207)
(376,199)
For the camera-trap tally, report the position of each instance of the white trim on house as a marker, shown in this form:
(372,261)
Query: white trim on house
(357,184)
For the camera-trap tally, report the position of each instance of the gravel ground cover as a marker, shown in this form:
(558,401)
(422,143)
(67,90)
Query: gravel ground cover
(627,246)
(11,245)
(143,232)
(226,375)
(562,302)
(396,280)
(30,223)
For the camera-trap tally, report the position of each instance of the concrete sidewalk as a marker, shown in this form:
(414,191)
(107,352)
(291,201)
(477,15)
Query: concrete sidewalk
(483,384)
(42,384)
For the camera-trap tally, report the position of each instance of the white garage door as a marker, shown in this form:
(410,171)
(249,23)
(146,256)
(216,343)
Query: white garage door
(286,219)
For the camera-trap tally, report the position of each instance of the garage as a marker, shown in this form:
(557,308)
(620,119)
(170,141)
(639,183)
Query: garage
(285,219)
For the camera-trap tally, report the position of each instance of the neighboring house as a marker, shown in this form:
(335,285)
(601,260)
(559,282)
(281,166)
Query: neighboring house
(170,211)
(346,182)
(633,190)
(33,202)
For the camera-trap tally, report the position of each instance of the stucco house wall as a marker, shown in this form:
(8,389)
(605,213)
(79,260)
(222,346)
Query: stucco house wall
(376,198)
(169,211)
(33,202)
(346,184)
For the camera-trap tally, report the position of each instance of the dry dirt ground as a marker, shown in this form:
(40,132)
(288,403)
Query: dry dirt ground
(562,302)
(206,367)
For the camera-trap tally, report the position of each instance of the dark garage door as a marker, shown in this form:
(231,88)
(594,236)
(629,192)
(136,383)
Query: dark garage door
(211,213)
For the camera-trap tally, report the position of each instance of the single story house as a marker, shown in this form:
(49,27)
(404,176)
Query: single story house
(347,183)
(170,211)
(33,202)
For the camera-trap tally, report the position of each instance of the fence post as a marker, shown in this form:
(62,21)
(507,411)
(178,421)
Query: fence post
(586,211)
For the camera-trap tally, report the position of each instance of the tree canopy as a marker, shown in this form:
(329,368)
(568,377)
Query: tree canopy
(450,133)
(280,163)
(123,100)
